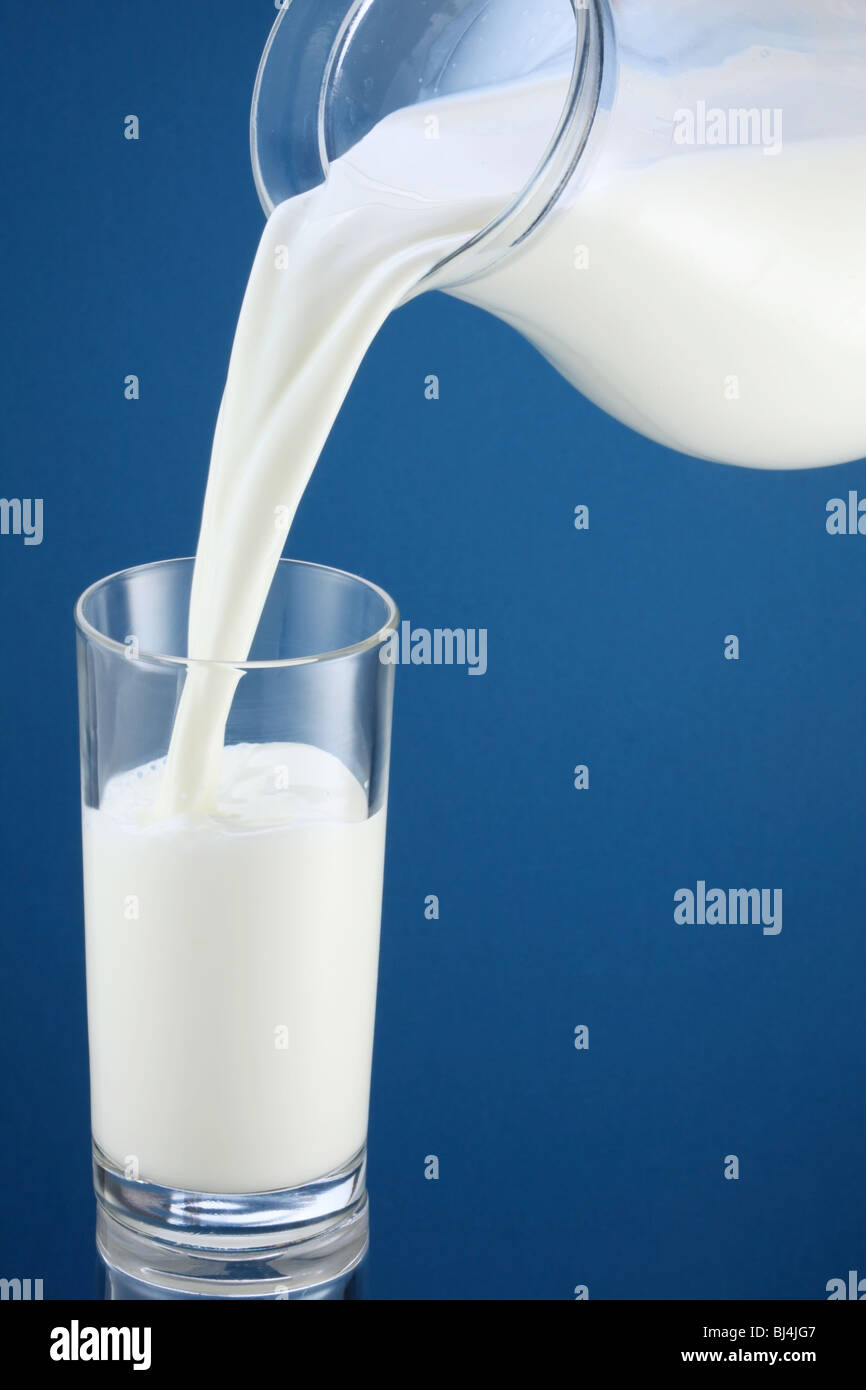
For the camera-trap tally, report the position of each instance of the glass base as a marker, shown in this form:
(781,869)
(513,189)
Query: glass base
(303,1242)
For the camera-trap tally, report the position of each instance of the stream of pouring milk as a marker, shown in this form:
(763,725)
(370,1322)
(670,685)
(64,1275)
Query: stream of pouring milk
(703,266)
(331,267)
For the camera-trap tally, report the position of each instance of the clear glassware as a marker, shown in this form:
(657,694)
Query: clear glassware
(232,955)
(652,82)
(120,1281)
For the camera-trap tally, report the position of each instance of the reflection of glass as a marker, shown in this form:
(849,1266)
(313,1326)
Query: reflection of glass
(232,953)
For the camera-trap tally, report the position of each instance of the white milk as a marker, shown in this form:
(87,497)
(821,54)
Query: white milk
(231,973)
(704,271)
(714,301)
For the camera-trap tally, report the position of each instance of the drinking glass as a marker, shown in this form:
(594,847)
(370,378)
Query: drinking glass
(232,953)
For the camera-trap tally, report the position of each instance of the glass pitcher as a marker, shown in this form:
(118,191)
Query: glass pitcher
(688,248)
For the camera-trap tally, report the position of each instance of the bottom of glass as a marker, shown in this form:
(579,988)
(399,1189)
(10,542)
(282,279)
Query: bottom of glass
(160,1242)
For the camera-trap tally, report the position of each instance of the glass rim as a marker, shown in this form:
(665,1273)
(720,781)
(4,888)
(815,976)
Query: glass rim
(101,639)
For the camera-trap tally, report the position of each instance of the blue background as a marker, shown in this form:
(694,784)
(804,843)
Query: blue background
(558,1167)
